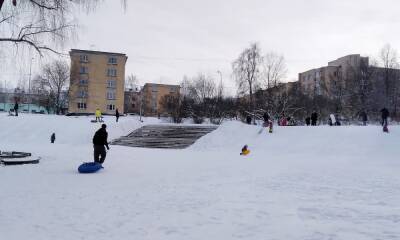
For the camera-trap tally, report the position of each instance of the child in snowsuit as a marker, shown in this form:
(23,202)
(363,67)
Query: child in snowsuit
(245,151)
(98,115)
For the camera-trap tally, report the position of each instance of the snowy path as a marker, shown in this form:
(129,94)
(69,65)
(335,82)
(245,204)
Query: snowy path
(299,183)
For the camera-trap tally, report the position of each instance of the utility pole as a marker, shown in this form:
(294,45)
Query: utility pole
(29,87)
(220,84)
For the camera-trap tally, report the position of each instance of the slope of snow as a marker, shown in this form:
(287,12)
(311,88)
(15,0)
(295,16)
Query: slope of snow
(297,183)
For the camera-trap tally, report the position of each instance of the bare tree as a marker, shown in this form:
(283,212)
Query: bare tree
(132,82)
(53,80)
(246,72)
(40,24)
(274,69)
(389,61)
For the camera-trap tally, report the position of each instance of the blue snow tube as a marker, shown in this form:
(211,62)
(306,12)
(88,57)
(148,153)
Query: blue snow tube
(90,167)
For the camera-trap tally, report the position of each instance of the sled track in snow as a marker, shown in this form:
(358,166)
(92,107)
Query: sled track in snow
(164,136)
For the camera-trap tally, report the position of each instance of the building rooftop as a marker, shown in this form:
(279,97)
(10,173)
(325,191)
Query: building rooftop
(95,52)
(161,84)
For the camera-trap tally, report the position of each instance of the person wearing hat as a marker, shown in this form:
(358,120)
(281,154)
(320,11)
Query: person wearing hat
(100,144)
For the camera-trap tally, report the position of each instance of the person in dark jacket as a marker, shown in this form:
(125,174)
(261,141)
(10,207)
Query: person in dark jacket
(314,118)
(53,138)
(248,119)
(16,109)
(116,114)
(308,121)
(99,144)
(266,117)
(364,118)
(385,115)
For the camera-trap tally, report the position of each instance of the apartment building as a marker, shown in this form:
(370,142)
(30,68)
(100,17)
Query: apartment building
(320,81)
(152,94)
(97,81)
(132,100)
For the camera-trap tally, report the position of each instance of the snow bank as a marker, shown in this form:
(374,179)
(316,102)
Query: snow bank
(297,183)
(36,129)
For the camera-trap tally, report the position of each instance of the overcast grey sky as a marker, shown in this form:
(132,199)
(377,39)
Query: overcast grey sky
(165,40)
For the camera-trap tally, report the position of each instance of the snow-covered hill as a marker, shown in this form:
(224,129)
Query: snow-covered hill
(297,183)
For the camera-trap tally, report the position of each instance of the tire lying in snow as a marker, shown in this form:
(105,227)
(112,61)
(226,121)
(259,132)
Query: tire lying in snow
(17,158)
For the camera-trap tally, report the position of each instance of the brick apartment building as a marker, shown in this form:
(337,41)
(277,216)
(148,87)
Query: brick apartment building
(152,94)
(97,81)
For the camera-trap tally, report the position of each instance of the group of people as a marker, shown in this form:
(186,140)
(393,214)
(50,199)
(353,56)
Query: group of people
(99,116)
(312,119)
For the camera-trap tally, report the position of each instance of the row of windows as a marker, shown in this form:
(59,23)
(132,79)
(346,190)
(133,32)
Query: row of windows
(83,106)
(111,95)
(111,72)
(110,83)
(85,59)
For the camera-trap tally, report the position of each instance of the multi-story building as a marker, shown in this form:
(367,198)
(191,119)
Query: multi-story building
(152,95)
(97,81)
(132,102)
(321,81)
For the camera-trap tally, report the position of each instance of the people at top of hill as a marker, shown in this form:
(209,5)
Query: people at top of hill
(98,115)
(116,114)
(363,117)
(16,108)
(314,118)
(308,120)
(248,119)
(266,117)
(385,115)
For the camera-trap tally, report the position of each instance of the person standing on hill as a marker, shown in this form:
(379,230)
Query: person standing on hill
(116,114)
(314,118)
(100,144)
(98,115)
(308,121)
(364,118)
(16,109)
(385,115)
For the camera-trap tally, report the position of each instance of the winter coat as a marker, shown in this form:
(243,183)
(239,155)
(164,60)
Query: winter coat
(100,137)
(16,106)
(266,117)
(308,120)
(314,116)
(116,113)
(363,116)
(98,113)
(385,113)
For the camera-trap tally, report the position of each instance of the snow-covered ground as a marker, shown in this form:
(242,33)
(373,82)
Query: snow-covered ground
(297,183)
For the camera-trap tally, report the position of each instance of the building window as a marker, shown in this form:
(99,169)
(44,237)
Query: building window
(82,94)
(112,60)
(110,107)
(111,72)
(83,58)
(83,82)
(111,83)
(83,70)
(111,95)
(154,88)
(81,105)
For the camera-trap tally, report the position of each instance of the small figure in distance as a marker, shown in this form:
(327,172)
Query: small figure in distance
(245,150)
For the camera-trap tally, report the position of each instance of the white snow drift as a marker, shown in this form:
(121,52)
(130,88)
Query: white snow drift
(297,183)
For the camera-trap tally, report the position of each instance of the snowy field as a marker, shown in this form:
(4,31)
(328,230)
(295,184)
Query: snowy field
(297,183)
